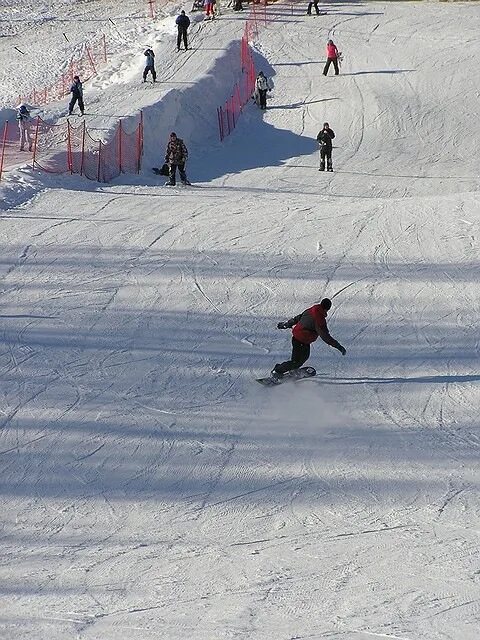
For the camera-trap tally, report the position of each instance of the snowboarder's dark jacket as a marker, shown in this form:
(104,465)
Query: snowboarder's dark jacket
(182,21)
(176,151)
(311,324)
(325,138)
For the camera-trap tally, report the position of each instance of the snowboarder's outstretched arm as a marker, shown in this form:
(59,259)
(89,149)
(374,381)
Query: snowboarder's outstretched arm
(326,337)
(288,324)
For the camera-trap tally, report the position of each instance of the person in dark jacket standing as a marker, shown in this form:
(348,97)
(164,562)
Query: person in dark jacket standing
(150,65)
(182,22)
(324,139)
(307,327)
(176,155)
(77,95)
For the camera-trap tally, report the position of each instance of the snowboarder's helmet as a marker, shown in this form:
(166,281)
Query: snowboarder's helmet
(182,12)
(173,134)
(23,108)
(326,304)
(330,42)
(76,77)
(325,124)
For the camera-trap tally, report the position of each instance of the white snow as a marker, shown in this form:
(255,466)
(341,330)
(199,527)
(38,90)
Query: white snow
(150,487)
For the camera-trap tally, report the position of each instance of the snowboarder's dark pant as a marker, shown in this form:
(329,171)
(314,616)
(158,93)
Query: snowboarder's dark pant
(181,171)
(300,354)
(327,66)
(73,102)
(325,152)
(182,33)
(315,4)
(153,72)
(262,98)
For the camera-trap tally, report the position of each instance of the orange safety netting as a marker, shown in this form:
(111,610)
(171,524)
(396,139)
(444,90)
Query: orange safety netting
(63,148)
(85,66)
(229,113)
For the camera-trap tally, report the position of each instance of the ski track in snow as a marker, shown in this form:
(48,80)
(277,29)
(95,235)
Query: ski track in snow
(150,488)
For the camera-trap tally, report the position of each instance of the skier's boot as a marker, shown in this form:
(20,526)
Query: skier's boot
(329,166)
(322,166)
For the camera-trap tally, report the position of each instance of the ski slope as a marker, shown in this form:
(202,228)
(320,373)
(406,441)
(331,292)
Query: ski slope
(150,487)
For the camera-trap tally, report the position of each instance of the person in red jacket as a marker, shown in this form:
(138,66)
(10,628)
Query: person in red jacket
(307,327)
(332,56)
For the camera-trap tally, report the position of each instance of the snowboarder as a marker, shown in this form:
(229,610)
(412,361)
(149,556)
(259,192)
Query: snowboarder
(314,3)
(262,85)
(150,65)
(77,95)
(307,327)
(176,155)
(182,22)
(324,139)
(23,119)
(332,56)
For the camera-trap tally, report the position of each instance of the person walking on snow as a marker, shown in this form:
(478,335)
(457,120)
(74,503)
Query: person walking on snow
(306,328)
(324,139)
(332,56)
(23,119)
(314,3)
(261,88)
(150,65)
(77,95)
(176,155)
(182,22)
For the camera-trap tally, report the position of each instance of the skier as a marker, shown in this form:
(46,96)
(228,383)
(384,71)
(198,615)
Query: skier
(262,85)
(150,65)
(77,95)
(237,5)
(176,155)
(307,327)
(332,56)
(314,3)
(23,118)
(182,22)
(324,139)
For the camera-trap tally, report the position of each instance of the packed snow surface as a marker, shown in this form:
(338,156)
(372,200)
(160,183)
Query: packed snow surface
(150,487)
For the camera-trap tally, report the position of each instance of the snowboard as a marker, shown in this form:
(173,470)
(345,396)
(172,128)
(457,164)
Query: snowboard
(295,374)
(164,170)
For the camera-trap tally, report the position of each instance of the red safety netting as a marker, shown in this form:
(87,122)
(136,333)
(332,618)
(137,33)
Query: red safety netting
(229,113)
(63,148)
(85,65)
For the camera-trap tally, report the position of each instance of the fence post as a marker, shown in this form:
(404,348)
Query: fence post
(4,142)
(140,142)
(99,159)
(91,59)
(69,148)
(120,133)
(35,143)
(83,149)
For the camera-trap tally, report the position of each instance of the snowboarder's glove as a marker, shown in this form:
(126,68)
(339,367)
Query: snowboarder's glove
(282,325)
(342,350)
